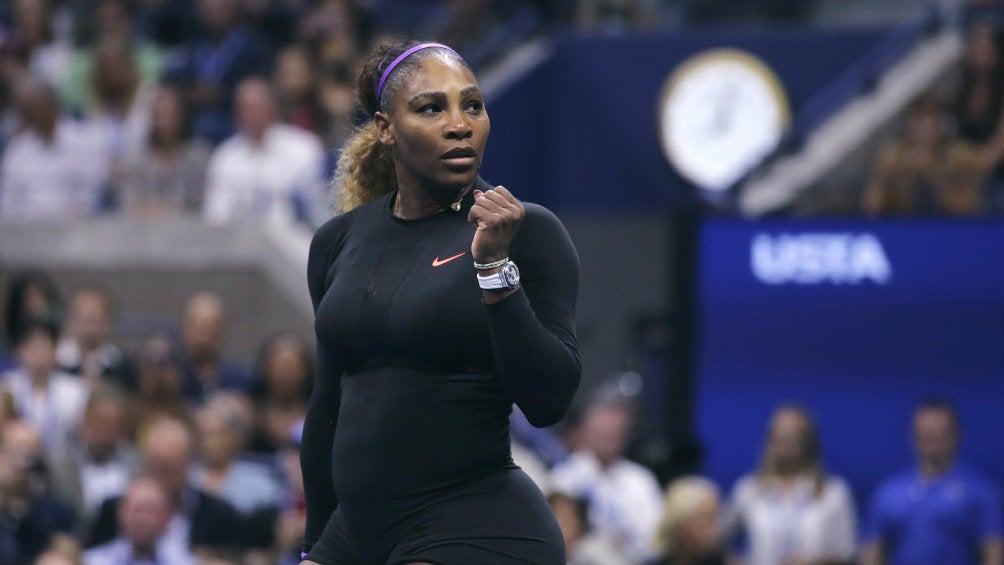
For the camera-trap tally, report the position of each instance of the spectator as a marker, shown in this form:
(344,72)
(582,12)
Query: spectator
(331,32)
(209,69)
(100,464)
(981,90)
(623,497)
(688,532)
(270,172)
(207,523)
(48,398)
(86,348)
(338,101)
(32,295)
(791,510)
(926,172)
(107,22)
(203,329)
(48,54)
(296,90)
(29,519)
(160,380)
(582,545)
(50,169)
(166,173)
(285,374)
(224,427)
(144,517)
(942,511)
(119,114)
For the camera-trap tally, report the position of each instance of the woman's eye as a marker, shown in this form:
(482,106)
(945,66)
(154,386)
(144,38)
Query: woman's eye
(428,109)
(474,106)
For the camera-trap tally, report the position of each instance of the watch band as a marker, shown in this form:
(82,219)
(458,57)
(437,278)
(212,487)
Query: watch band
(492,265)
(492,282)
(505,279)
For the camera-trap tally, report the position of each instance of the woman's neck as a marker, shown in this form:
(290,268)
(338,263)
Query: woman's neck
(419,202)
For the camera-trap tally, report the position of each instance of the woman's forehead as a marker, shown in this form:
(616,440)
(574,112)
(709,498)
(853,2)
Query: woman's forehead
(438,74)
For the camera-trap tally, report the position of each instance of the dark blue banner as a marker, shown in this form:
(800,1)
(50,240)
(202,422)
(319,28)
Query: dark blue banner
(857,321)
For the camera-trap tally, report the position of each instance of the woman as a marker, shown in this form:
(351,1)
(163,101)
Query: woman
(791,511)
(166,176)
(418,367)
(688,531)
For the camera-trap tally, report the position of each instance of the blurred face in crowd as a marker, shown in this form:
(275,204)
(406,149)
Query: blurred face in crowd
(32,20)
(606,430)
(167,115)
(219,442)
(924,127)
(935,437)
(159,373)
(981,48)
(437,109)
(20,454)
(699,533)
(286,372)
(89,319)
(104,427)
(37,354)
(167,453)
(293,77)
(256,110)
(144,513)
(116,77)
(202,327)
(111,20)
(38,106)
(787,439)
(217,16)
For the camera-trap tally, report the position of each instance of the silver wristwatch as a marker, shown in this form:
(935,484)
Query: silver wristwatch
(506,279)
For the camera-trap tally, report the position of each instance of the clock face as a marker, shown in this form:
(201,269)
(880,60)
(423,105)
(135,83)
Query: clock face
(721,112)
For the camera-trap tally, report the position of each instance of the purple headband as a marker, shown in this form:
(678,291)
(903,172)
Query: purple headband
(401,57)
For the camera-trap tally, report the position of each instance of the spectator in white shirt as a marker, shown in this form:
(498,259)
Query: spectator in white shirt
(623,497)
(52,401)
(791,510)
(269,172)
(50,169)
(143,518)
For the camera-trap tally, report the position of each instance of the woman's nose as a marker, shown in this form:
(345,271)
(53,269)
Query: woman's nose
(458,127)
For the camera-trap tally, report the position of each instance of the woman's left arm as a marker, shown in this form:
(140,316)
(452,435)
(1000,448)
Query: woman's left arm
(533,328)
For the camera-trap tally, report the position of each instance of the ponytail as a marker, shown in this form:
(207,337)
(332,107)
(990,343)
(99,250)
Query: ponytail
(365,170)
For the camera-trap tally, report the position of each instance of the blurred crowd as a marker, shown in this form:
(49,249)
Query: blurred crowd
(949,159)
(224,109)
(166,451)
(163,452)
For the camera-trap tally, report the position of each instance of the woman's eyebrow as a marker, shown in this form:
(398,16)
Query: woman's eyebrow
(437,96)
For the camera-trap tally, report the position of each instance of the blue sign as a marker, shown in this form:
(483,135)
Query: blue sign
(856,321)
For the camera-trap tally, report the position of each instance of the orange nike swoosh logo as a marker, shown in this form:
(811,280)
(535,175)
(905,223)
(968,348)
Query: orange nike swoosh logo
(437,262)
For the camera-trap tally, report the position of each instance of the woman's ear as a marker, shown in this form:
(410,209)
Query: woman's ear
(385,131)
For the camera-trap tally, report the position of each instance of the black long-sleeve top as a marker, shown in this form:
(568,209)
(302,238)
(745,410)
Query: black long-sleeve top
(416,374)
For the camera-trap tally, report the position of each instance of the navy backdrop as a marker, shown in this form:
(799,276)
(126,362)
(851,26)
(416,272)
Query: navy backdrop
(579,131)
(856,321)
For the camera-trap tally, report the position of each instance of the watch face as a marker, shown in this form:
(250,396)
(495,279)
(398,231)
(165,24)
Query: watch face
(721,112)
(510,274)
